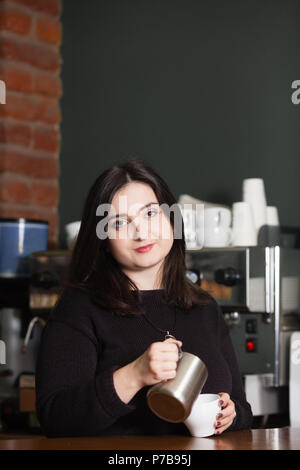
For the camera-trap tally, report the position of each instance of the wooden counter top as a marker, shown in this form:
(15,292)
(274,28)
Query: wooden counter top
(255,439)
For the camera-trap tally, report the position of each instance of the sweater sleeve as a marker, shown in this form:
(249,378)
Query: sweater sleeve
(243,419)
(71,398)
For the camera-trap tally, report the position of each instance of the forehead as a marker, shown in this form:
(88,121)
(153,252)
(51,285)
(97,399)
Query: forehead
(133,196)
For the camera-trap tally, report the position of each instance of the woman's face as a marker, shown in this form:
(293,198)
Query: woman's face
(140,222)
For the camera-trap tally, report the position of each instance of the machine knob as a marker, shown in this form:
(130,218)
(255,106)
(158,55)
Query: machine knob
(232,318)
(227,276)
(194,275)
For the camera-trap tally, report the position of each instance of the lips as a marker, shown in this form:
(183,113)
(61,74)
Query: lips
(144,249)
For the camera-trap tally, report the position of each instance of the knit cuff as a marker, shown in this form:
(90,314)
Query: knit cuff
(242,419)
(107,395)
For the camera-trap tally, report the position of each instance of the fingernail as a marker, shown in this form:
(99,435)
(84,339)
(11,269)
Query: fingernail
(221,402)
(219,416)
(218,423)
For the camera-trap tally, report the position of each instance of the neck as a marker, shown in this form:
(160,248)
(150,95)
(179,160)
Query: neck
(149,279)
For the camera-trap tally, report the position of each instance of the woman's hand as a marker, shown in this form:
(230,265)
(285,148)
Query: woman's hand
(227,414)
(159,362)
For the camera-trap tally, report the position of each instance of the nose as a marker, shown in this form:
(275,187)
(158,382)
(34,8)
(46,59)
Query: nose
(139,230)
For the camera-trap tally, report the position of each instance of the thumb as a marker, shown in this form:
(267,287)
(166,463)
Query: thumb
(174,340)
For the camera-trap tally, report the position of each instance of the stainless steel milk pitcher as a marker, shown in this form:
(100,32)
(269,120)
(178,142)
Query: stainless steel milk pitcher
(172,400)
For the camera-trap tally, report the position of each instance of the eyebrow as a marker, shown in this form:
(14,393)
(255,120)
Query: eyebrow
(121,215)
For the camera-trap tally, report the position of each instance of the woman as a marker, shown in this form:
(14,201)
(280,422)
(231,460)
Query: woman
(104,344)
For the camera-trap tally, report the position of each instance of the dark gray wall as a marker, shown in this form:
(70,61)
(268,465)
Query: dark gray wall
(199,89)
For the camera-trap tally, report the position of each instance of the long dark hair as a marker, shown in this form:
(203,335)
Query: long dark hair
(94,270)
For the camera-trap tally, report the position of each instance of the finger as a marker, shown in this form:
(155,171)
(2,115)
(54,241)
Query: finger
(224,399)
(165,356)
(221,429)
(227,411)
(168,345)
(169,374)
(169,365)
(162,348)
(173,340)
(172,347)
(160,374)
(170,356)
(224,421)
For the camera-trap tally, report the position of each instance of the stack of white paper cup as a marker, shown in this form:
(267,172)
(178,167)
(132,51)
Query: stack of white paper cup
(273,226)
(254,194)
(243,228)
(272,216)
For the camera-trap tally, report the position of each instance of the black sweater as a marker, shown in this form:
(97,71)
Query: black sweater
(83,344)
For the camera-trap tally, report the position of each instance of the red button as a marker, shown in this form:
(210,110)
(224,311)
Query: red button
(250,345)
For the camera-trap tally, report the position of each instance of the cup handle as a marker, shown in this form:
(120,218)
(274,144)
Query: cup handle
(180,353)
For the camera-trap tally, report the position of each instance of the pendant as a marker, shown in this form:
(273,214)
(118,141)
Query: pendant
(168,335)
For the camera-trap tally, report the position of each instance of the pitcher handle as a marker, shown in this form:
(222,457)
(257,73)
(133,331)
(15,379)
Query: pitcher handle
(180,353)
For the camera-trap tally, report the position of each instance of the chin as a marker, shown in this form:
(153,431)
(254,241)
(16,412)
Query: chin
(148,261)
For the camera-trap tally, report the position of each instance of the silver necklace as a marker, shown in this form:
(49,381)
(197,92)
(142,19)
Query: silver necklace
(166,332)
(167,335)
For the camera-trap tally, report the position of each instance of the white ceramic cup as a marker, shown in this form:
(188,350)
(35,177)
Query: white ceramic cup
(243,229)
(216,237)
(217,217)
(217,231)
(203,415)
(193,225)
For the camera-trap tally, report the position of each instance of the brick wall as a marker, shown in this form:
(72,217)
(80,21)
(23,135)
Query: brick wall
(30,36)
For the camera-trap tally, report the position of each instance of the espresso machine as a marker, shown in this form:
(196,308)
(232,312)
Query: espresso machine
(258,291)
(30,278)
(18,238)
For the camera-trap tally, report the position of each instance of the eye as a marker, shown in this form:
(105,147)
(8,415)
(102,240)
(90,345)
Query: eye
(117,223)
(153,210)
